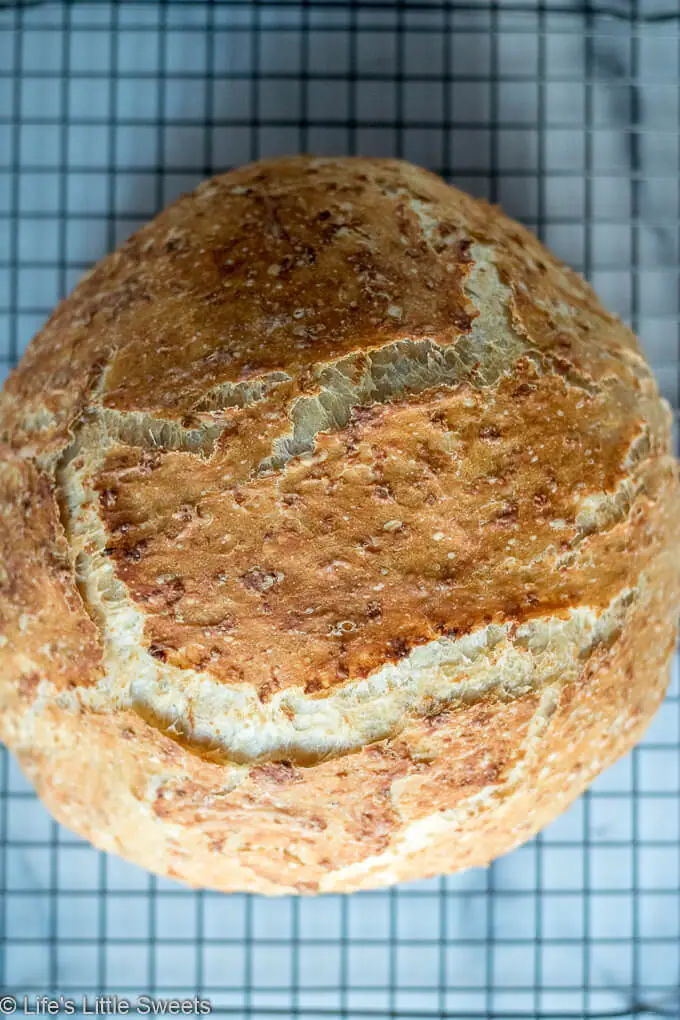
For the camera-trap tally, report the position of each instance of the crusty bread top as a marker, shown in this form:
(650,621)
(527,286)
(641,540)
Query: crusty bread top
(286,265)
(317,415)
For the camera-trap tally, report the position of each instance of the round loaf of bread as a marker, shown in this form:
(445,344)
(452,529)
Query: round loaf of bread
(339,536)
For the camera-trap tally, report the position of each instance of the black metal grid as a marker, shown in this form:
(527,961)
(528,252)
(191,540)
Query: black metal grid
(566,114)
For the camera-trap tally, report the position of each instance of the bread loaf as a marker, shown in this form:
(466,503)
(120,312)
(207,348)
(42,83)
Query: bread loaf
(339,536)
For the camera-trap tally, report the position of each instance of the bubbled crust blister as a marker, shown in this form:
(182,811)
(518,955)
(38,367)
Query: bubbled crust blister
(155,427)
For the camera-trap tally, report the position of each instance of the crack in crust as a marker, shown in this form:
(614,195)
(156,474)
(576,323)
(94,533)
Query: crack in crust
(490,350)
(233,724)
(482,356)
(149,432)
(226,723)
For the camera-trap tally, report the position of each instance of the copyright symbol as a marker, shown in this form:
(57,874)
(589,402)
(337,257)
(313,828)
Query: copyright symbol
(8,1005)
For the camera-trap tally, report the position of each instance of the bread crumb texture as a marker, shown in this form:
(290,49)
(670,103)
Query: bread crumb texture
(338,535)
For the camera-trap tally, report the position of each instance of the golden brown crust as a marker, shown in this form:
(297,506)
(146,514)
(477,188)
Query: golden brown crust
(208,292)
(339,535)
(381,540)
(44,631)
(285,829)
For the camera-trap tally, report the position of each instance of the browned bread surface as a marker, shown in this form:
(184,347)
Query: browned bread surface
(338,535)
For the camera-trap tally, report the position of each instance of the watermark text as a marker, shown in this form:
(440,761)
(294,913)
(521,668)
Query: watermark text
(102,1005)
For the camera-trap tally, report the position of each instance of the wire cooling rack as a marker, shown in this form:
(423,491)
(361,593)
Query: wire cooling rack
(568,115)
